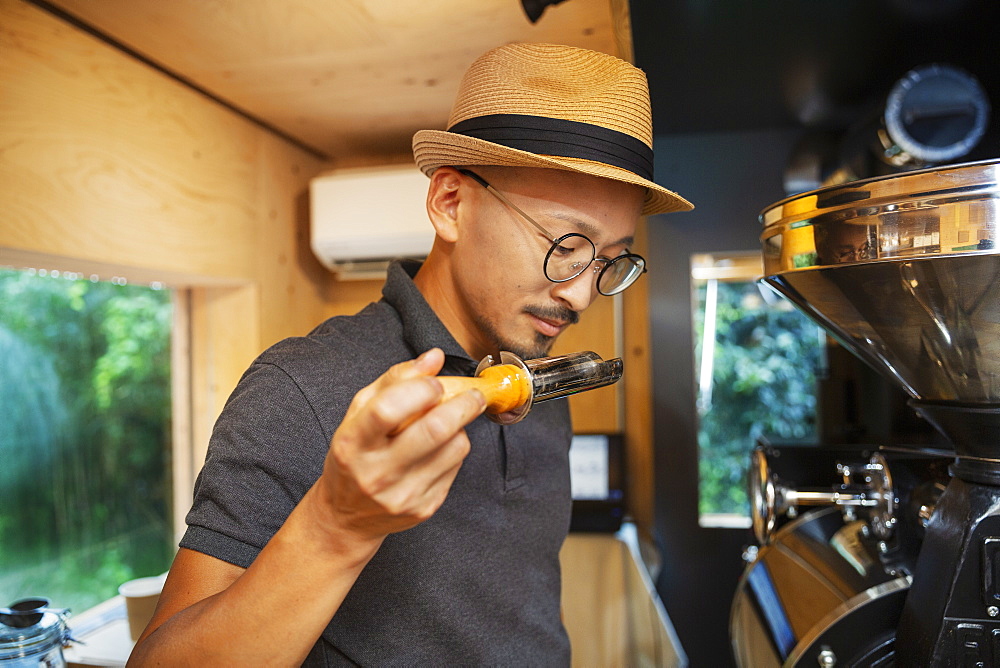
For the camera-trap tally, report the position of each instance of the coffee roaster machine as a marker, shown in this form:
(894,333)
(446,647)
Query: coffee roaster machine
(897,560)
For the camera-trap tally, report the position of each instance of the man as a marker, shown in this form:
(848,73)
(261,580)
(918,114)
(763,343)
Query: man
(345,514)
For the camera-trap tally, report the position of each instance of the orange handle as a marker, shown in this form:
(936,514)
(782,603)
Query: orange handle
(505,387)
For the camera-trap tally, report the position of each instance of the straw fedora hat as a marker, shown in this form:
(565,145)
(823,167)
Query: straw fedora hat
(546,105)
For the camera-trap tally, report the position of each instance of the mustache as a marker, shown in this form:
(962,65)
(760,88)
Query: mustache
(555,313)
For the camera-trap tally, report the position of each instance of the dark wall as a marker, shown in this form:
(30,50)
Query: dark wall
(719,65)
(729,178)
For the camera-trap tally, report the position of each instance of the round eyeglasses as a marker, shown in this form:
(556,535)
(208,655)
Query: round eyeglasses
(572,254)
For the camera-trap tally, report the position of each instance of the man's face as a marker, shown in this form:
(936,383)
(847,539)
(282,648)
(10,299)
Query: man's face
(846,242)
(498,259)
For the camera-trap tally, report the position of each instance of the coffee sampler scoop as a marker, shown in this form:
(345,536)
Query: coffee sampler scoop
(512,385)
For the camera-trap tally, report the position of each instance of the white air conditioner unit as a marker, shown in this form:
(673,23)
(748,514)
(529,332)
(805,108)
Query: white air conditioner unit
(365,217)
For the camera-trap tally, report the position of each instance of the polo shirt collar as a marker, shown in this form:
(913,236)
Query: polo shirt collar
(422,329)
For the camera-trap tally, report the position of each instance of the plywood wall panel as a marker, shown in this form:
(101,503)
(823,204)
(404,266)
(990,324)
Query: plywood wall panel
(345,77)
(637,399)
(295,289)
(104,158)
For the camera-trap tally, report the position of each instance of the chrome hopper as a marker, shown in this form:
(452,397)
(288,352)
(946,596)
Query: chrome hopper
(904,272)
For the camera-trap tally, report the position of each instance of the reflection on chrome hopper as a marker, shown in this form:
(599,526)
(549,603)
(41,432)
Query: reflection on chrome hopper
(898,562)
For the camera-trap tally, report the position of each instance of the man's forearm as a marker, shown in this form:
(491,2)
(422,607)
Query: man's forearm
(274,612)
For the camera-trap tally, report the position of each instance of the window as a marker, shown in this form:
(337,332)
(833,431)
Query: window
(757,359)
(85,437)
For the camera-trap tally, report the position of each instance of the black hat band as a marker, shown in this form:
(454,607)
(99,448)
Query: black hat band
(558,137)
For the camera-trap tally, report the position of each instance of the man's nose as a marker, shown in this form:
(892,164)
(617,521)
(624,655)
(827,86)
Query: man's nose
(577,293)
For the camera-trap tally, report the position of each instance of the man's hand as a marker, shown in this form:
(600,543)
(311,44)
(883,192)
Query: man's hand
(397,451)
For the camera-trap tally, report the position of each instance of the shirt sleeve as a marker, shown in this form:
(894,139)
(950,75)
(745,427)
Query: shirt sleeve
(266,451)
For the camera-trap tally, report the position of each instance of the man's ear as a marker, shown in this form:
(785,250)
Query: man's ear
(443,199)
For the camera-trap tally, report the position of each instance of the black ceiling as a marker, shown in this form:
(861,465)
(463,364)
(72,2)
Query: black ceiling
(738,65)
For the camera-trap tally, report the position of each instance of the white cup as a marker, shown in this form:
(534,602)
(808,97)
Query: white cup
(140,597)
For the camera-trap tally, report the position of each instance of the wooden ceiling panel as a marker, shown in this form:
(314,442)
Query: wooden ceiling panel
(351,79)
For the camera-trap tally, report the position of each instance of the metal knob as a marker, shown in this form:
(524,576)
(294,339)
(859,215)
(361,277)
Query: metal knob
(868,486)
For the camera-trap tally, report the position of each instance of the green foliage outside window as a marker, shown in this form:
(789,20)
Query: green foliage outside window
(85,437)
(765,358)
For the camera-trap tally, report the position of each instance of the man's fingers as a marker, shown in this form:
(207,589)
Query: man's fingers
(402,395)
(426,365)
(391,407)
(448,418)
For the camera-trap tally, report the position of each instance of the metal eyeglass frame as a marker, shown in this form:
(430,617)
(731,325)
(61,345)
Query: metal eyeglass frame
(635,258)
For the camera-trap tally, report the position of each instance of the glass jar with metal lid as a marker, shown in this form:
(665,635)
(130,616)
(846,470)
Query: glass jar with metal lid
(32,634)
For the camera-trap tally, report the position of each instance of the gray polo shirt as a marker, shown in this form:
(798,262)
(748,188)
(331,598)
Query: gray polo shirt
(476,584)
